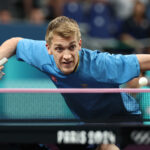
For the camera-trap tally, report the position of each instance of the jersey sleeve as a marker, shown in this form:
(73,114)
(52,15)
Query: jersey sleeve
(116,69)
(33,52)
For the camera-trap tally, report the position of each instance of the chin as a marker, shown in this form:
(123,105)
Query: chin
(67,71)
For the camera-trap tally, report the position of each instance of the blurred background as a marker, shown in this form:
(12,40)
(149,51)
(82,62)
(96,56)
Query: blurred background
(117,26)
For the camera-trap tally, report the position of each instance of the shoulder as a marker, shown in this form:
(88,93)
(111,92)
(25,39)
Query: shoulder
(31,45)
(88,52)
(31,41)
(93,54)
(99,56)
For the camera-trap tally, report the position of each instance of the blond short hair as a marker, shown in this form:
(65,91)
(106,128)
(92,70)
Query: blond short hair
(64,27)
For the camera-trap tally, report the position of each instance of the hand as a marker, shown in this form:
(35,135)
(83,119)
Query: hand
(2,62)
(1,73)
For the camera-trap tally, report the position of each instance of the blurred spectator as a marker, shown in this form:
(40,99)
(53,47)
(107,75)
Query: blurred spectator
(73,9)
(100,19)
(22,8)
(54,8)
(136,27)
(37,16)
(123,8)
(5,13)
(27,7)
(5,16)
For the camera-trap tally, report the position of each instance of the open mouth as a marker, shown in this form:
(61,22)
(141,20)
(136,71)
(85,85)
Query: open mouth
(67,63)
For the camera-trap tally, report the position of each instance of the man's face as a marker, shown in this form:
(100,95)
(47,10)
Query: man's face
(65,52)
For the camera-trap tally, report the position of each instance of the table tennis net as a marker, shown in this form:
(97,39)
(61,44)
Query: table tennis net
(50,104)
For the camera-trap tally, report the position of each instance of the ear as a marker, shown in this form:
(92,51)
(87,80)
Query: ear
(48,49)
(80,44)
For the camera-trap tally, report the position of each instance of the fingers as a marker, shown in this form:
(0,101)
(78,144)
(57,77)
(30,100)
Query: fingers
(2,62)
(1,67)
(1,73)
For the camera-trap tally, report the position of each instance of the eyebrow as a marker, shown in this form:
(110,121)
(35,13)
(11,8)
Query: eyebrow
(73,42)
(57,45)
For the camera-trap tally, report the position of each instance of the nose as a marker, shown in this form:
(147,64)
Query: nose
(67,55)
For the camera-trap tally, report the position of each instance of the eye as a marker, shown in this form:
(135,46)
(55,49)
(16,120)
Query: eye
(72,47)
(59,49)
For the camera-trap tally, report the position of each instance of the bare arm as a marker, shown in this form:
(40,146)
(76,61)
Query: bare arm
(8,48)
(144,61)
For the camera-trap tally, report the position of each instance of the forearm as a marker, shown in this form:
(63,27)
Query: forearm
(144,61)
(8,48)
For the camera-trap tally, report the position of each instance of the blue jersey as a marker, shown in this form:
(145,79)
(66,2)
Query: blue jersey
(95,70)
